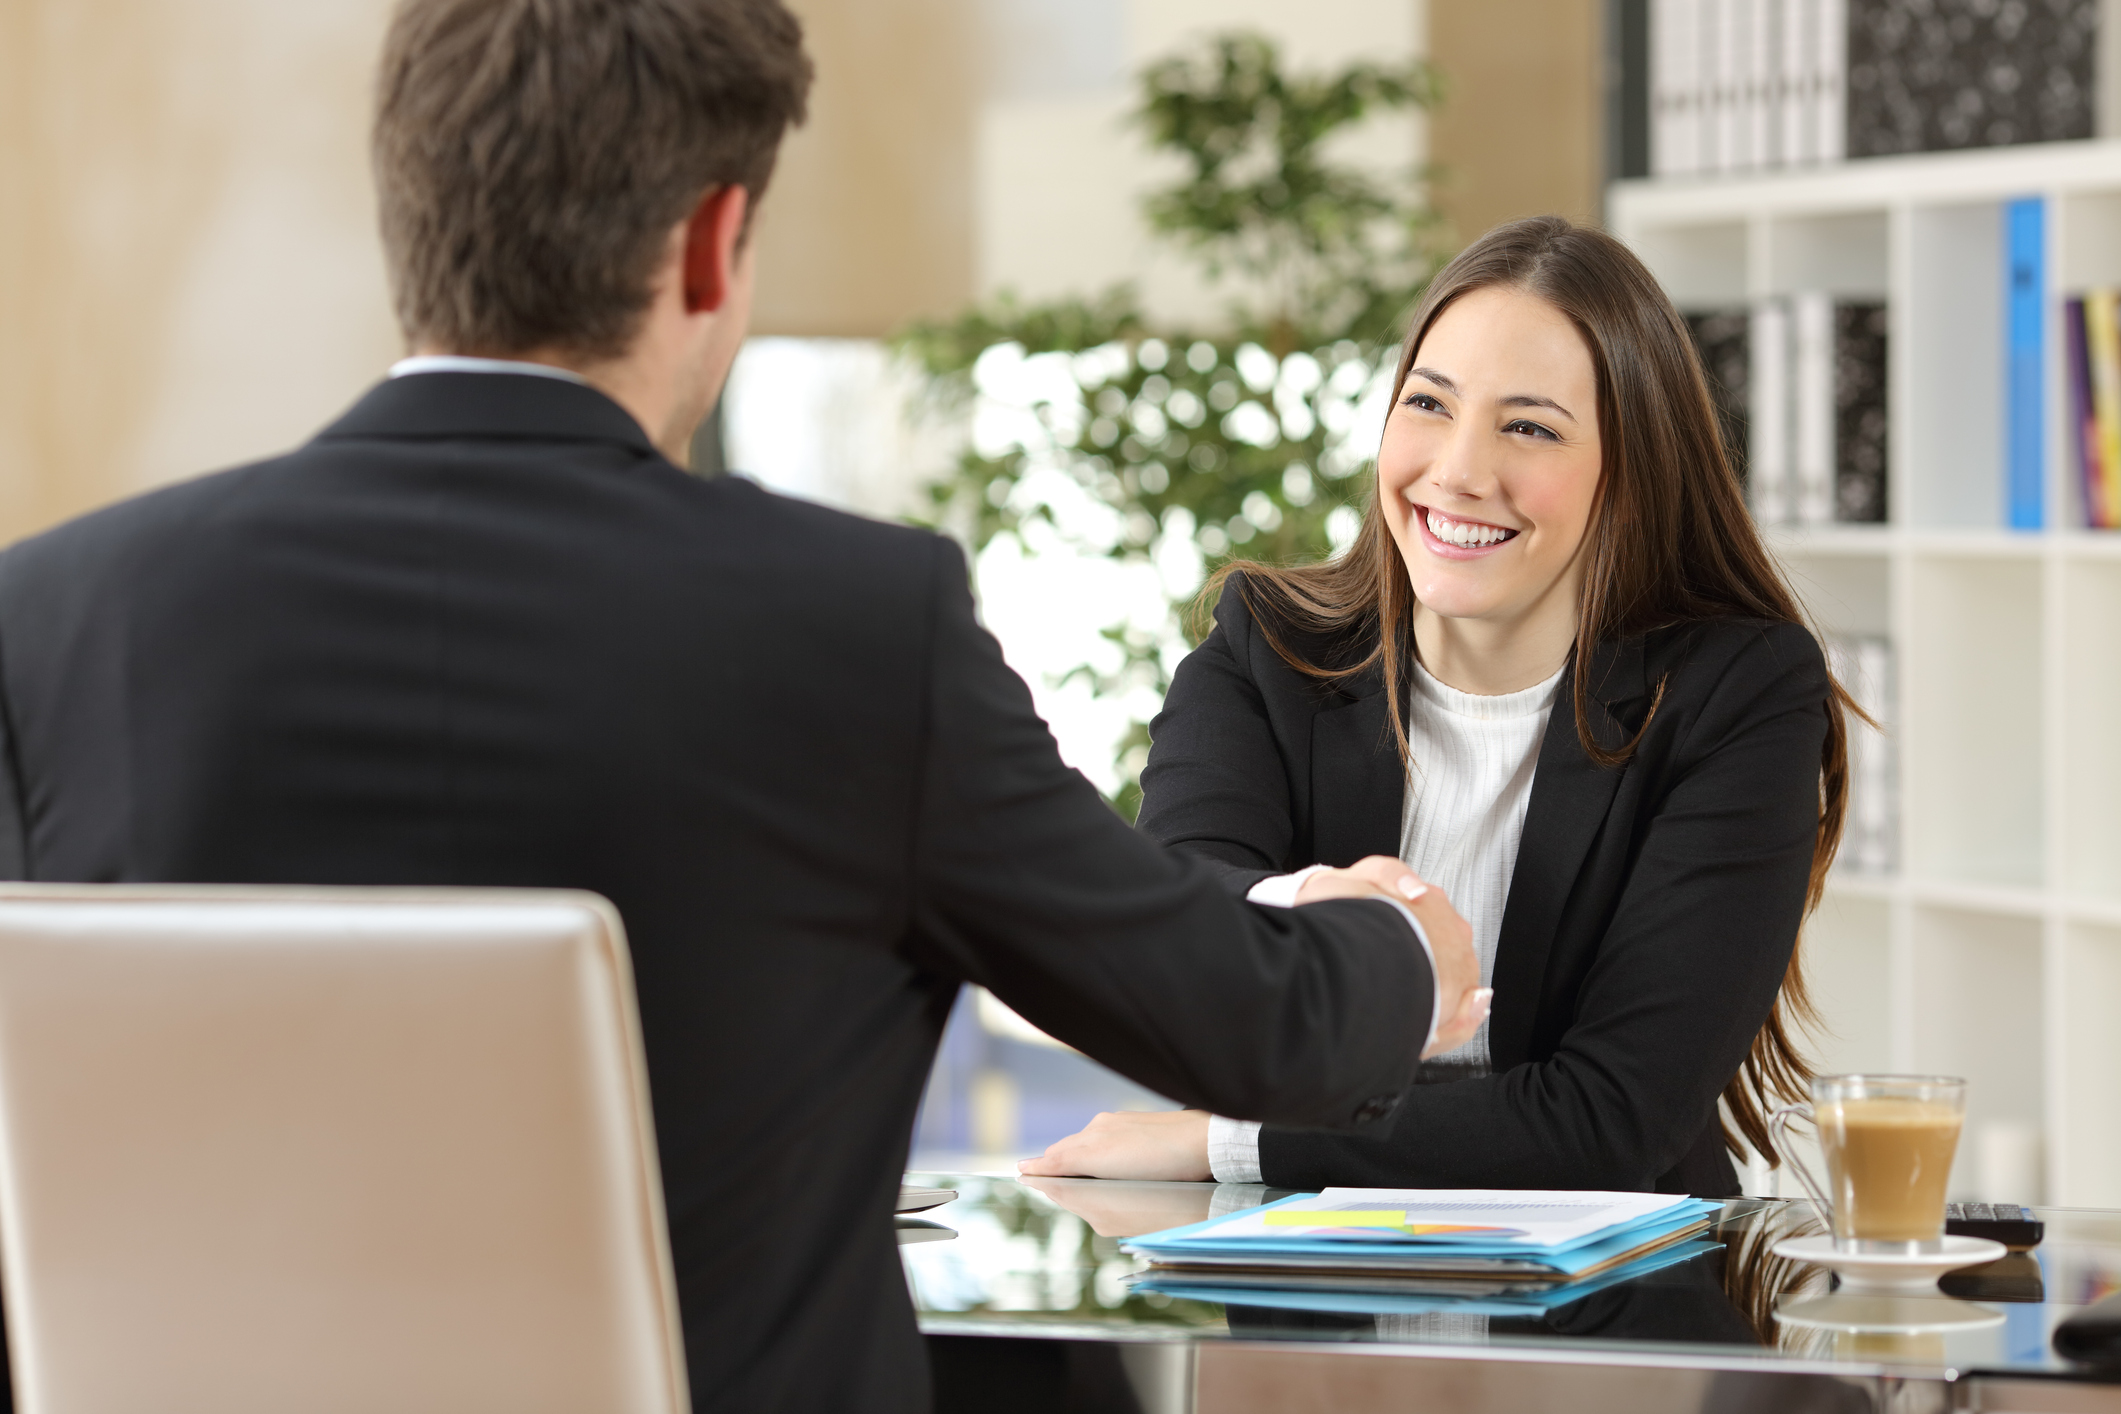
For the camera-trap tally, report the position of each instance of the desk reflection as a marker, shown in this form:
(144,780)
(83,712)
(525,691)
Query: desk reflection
(1725,1296)
(1726,1326)
(1116,1207)
(1729,1290)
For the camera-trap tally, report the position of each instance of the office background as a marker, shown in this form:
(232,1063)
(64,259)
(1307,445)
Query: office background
(189,278)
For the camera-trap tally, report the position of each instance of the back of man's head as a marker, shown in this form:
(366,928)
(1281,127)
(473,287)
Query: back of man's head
(533,156)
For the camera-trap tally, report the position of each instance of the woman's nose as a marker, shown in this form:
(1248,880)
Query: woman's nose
(1461,469)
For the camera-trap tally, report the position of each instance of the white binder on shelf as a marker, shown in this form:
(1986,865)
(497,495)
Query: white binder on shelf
(1812,404)
(1767,412)
(1761,72)
(1726,27)
(1675,68)
(1830,83)
(1796,56)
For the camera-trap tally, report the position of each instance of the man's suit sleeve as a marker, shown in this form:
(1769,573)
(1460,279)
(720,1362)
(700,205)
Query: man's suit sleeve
(14,830)
(1028,884)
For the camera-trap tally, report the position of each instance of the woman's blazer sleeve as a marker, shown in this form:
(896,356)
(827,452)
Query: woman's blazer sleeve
(1690,950)
(1216,784)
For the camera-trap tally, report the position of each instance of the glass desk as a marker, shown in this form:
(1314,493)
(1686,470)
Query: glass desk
(1025,1297)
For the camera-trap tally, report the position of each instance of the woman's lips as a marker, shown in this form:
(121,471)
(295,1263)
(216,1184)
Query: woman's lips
(1445,549)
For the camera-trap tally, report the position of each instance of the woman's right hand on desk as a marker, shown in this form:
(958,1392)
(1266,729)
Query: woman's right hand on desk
(1457,967)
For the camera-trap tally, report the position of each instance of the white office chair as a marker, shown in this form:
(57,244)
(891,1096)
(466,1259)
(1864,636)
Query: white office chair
(317,1150)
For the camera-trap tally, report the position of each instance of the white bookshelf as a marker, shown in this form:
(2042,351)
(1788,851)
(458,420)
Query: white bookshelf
(1995,950)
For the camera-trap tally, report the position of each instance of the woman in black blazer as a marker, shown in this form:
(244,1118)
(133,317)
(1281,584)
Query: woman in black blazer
(1554,509)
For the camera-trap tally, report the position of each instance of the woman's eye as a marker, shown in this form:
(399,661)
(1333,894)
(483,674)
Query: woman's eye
(1532,429)
(1424,402)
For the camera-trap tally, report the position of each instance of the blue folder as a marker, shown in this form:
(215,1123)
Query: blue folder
(1198,1241)
(1370,1303)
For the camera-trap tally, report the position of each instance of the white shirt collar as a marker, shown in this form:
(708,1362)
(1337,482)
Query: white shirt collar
(1525,702)
(460,363)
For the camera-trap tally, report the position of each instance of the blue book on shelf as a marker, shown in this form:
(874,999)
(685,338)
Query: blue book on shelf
(2025,285)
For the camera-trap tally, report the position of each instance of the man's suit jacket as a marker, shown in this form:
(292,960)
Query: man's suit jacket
(480,633)
(1650,919)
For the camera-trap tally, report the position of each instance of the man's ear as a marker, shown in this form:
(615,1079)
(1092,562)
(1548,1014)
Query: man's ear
(713,235)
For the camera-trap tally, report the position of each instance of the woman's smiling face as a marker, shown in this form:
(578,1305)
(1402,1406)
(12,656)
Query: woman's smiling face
(1491,458)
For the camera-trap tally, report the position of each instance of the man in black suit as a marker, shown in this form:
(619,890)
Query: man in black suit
(482,631)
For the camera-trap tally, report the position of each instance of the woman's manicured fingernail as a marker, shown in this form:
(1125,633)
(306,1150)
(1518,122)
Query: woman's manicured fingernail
(1413,888)
(1483,999)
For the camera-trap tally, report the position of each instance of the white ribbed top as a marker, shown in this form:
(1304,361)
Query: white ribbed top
(1467,789)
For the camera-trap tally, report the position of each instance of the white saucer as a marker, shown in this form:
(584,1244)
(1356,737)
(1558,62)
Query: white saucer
(912,1230)
(1910,1274)
(1868,1312)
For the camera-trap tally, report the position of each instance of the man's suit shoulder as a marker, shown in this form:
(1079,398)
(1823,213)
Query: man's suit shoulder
(804,529)
(807,519)
(116,532)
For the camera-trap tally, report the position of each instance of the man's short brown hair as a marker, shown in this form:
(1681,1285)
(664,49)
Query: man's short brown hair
(532,156)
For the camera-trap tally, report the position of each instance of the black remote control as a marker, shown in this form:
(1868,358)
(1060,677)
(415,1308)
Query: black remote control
(2007,1223)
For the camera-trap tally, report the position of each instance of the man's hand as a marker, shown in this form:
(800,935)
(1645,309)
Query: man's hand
(1464,1001)
(1167,1144)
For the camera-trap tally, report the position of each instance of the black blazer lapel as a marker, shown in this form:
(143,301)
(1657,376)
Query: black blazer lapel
(1570,797)
(1358,786)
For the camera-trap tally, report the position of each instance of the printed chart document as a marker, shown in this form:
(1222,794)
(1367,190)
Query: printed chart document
(1546,1222)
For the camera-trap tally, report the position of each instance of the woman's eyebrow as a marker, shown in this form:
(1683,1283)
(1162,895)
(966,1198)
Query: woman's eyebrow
(1520,400)
(1527,400)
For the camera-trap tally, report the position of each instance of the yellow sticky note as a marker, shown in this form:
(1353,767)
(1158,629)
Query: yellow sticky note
(1312,1217)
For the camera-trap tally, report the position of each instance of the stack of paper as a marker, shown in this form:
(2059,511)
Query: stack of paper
(1389,1238)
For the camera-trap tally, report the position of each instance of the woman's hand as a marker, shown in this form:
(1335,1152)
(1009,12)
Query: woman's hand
(1170,1144)
(1118,1209)
(1457,966)
(1366,878)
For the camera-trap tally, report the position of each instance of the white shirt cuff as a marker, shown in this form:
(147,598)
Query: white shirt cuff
(1279,891)
(1231,1198)
(1233,1150)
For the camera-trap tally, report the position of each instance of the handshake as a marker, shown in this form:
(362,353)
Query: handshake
(1173,1145)
(1461,1002)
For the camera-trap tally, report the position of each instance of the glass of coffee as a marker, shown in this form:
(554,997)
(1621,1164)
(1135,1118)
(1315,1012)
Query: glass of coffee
(1888,1142)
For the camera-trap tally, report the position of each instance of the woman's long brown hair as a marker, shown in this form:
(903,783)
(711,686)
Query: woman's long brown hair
(1670,541)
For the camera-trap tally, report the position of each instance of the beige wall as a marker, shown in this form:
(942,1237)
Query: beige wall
(869,222)
(18,365)
(188,271)
(1521,133)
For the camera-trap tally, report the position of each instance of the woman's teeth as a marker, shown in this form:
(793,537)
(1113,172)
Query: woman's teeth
(1465,534)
